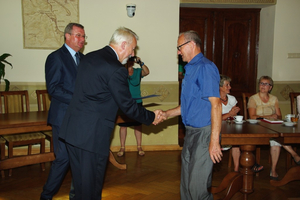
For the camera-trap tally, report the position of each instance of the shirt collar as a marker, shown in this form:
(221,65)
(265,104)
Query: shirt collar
(198,57)
(72,52)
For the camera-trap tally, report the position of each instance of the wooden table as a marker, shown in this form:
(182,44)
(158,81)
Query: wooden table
(247,136)
(288,135)
(13,123)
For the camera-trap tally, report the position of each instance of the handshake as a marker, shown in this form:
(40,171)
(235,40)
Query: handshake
(160,116)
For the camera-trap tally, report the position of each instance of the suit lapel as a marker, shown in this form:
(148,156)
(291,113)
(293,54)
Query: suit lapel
(68,60)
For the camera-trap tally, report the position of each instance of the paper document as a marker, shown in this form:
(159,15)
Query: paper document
(145,97)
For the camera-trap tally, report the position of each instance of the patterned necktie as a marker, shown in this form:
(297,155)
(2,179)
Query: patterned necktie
(77,58)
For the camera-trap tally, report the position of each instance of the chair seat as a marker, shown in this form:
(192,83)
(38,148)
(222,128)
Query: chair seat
(48,133)
(23,137)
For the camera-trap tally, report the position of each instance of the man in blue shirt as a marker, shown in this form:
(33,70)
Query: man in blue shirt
(201,112)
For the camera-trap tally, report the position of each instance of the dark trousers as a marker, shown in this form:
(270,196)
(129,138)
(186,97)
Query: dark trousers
(59,167)
(88,170)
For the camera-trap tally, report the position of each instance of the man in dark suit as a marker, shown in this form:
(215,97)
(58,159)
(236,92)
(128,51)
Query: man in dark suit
(61,71)
(101,89)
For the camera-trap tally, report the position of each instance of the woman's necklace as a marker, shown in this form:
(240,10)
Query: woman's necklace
(224,100)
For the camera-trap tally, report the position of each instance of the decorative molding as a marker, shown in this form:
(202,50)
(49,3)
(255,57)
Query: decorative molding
(132,148)
(129,148)
(285,92)
(273,2)
(285,82)
(163,92)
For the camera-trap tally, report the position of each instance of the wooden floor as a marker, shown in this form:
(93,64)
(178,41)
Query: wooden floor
(154,176)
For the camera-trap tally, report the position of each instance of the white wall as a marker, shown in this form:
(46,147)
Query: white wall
(157,27)
(266,40)
(286,40)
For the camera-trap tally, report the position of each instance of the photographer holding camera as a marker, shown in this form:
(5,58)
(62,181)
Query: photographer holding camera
(134,81)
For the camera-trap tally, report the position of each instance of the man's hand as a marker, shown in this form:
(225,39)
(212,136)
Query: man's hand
(215,152)
(160,116)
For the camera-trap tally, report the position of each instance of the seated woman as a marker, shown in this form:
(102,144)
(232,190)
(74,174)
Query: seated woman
(266,105)
(229,109)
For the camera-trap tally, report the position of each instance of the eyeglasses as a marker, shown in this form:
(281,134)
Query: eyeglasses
(79,36)
(264,84)
(178,48)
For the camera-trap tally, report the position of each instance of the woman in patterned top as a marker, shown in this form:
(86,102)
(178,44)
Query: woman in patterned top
(265,105)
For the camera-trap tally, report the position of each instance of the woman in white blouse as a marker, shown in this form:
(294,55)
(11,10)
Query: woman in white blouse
(229,109)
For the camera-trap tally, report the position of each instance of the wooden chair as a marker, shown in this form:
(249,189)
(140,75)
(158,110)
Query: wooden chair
(246,97)
(13,102)
(43,102)
(294,110)
(2,153)
(293,101)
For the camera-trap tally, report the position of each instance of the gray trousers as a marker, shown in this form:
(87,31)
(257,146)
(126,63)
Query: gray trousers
(196,167)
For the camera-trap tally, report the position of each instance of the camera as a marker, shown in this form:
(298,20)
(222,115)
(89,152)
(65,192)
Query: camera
(134,59)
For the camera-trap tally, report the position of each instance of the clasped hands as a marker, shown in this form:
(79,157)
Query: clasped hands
(160,116)
(234,110)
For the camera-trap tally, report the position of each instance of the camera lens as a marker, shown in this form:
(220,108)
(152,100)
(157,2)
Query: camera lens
(132,58)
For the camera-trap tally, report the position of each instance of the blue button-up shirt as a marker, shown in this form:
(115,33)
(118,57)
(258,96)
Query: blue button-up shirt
(200,82)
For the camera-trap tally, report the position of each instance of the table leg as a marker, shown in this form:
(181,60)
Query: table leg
(292,175)
(113,161)
(242,181)
(247,160)
(233,182)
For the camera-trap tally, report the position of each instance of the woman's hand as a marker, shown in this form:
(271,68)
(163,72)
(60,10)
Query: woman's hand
(234,110)
(137,60)
(274,116)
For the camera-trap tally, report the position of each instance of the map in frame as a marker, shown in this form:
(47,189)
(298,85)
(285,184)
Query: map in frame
(44,22)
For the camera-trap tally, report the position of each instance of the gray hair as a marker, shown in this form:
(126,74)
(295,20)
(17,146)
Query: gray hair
(69,28)
(123,34)
(192,36)
(223,78)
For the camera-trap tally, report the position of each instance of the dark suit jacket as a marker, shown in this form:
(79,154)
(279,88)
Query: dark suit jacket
(60,69)
(101,89)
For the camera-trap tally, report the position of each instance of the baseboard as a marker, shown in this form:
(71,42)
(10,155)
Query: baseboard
(35,150)
(148,148)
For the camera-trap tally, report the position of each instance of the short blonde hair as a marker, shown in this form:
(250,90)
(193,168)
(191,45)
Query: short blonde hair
(266,78)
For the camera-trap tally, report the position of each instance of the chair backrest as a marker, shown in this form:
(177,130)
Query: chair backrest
(43,100)
(293,100)
(246,97)
(14,101)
